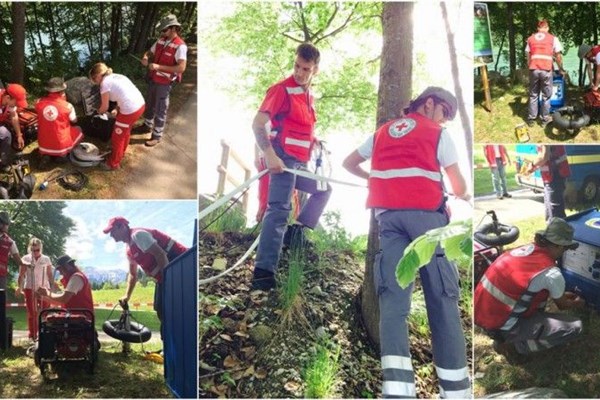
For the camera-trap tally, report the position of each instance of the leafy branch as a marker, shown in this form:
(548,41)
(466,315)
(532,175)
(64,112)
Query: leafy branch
(455,238)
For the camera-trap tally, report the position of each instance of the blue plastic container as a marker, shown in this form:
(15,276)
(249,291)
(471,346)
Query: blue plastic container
(558,93)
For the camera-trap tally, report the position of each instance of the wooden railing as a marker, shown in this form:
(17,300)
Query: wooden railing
(225,174)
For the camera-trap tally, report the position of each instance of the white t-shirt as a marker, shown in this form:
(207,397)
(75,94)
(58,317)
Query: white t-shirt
(551,280)
(556,46)
(75,284)
(143,239)
(122,91)
(446,153)
(39,272)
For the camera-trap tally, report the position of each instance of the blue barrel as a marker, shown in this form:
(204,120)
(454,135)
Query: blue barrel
(558,92)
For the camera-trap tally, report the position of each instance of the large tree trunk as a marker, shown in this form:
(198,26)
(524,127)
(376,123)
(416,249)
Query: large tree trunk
(462,109)
(512,54)
(395,90)
(147,27)
(17,73)
(115,28)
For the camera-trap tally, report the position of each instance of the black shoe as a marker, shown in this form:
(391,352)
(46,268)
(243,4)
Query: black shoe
(142,129)
(507,195)
(509,351)
(294,237)
(263,280)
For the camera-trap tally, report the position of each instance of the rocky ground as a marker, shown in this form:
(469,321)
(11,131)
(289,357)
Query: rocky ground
(249,348)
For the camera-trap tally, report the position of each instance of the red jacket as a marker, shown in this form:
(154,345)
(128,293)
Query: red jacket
(164,54)
(556,163)
(146,260)
(405,171)
(83,298)
(490,154)
(502,296)
(595,51)
(541,50)
(295,125)
(5,245)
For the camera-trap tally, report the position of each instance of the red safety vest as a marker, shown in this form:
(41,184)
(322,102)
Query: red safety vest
(405,171)
(54,126)
(557,162)
(541,50)
(505,284)
(83,298)
(146,260)
(4,112)
(164,54)
(490,154)
(295,125)
(5,245)
(595,51)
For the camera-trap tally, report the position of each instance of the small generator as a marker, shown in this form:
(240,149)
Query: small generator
(581,267)
(66,336)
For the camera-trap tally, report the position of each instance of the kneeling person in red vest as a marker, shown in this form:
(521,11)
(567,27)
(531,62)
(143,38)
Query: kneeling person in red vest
(511,298)
(77,289)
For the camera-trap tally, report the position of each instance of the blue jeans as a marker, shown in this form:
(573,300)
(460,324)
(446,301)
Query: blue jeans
(499,178)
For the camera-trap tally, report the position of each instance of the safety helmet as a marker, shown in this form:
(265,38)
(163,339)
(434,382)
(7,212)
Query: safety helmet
(86,155)
(441,94)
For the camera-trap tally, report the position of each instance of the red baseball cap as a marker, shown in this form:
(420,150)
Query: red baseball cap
(18,93)
(113,222)
(542,23)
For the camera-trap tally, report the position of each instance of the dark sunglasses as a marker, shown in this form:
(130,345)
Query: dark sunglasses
(165,30)
(36,250)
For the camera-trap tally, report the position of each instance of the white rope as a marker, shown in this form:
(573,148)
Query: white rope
(237,264)
(316,177)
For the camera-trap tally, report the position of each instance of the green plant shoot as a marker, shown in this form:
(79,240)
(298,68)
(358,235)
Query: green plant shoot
(455,238)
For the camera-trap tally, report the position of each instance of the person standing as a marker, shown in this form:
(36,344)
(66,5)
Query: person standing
(130,106)
(169,60)
(57,134)
(284,131)
(12,97)
(35,272)
(497,159)
(541,48)
(407,195)
(147,248)
(510,300)
(554,167)
(8,249)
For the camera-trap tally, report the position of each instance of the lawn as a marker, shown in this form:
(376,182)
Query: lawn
(483,177)
(509,109)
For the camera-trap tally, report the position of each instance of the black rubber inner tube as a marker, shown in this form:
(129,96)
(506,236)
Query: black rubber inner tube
(492,234)
(570,118)
(137,333)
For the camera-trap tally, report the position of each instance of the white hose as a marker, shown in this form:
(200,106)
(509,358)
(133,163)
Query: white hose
(237,264)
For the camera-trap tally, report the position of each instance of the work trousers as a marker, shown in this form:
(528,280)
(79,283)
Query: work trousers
(540,82)
(499,178)
(157,105)
(120,136)
(554,198)
(279,206)
(33,311)
(397,229)
(542,331)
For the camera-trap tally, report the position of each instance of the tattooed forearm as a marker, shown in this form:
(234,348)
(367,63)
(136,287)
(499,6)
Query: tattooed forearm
(262,138)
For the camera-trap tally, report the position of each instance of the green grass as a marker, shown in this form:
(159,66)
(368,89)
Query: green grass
(147,318)
(223,220)
(140,294)
(320,375)
(290,289)
(333,237)
(509,108)
(482,175)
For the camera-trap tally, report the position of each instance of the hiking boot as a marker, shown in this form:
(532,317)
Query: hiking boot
(294,237)
(142,129)
(152,142)
(507,195)
(263,280)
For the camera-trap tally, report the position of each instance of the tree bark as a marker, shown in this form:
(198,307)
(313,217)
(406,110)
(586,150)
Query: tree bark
(512,54)
(115,27)
(462,109)
(395,90)
(18,43)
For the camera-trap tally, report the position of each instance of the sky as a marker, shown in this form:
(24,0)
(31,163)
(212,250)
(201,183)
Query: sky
(216,106)
(92,248)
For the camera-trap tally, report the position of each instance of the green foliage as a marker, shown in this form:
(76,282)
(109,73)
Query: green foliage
(263,36)
(290,289)
(417,318)
(108,285)
(225,220)
(455,238)
(334,237)
(320,374)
